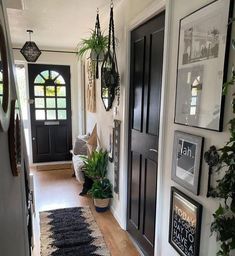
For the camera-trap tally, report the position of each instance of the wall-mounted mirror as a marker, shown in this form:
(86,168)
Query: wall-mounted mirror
(14,137)
(107,95)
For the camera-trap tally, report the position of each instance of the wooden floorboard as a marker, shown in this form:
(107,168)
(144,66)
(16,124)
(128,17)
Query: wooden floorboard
(58,189)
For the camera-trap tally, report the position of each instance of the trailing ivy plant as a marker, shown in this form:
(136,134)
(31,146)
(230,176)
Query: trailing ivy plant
(224,217)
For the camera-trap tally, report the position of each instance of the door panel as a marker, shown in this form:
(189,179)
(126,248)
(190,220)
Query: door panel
(60,133)
(155,78)
(145,101)
(139,52)
(149,199)
(135,190)
(43,138)
(49,87)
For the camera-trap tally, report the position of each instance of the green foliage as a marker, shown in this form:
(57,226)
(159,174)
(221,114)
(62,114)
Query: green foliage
(224,217)
(95,167)
(101,189)
(97,43)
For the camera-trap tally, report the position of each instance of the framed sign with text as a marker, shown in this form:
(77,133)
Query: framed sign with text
(186,160)
(185,223)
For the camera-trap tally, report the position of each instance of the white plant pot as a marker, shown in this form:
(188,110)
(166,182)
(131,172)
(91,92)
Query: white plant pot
(101,205)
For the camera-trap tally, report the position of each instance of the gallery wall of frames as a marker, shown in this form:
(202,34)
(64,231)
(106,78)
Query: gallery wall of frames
(203,50)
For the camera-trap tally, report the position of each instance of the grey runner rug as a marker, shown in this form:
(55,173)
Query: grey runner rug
(71,232)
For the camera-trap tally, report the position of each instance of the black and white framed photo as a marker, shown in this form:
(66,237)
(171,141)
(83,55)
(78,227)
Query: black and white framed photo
(185,223)
(203,48)
(186,160)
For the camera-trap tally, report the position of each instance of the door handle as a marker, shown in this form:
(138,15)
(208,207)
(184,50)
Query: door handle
(153,150)
(34,138)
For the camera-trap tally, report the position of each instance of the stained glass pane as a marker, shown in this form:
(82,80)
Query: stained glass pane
(39,103)
(62,114)
(39,80)
(193,111)
(59,80)
(50,91)
(194,101)
(1,76)
(61,103)
(54,74)
(45,74)
(61,91)
(194,92)
(50,102)
(40,114)
(1,88)
(39,90)
(51,115)
(0,99)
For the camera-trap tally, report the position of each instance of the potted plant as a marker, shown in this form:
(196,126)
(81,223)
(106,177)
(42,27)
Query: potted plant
(96,45)
(95,167)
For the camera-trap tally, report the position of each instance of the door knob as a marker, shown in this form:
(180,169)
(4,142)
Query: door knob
(153,150)
(34,138)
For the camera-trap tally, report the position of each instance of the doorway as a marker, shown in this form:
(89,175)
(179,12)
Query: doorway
(50,109)
(147,42)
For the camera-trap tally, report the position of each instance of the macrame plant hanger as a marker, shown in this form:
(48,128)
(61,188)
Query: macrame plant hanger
(109,70)
(97,56)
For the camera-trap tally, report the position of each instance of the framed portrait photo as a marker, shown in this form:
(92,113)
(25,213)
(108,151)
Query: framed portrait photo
(186,160)
(203,48)
(185,223)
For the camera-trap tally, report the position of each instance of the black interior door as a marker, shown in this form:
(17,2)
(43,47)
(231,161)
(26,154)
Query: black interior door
(50,108)
(145,101)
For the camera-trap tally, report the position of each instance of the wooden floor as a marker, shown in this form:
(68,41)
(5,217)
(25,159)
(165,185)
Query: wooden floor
(58,189)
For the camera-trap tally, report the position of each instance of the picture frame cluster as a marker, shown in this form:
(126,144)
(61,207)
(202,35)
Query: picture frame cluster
(203,49)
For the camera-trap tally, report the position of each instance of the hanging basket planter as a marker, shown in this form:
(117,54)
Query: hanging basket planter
(96,44)
(110,78)
(109,72)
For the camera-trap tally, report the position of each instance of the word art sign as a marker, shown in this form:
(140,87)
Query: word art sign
(186,162)
(185,222)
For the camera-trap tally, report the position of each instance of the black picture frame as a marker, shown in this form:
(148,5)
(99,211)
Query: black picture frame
(187,160)
(202,64)
(183,235)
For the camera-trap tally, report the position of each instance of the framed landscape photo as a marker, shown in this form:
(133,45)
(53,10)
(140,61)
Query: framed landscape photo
(185,223)
(203,48)
(186,160)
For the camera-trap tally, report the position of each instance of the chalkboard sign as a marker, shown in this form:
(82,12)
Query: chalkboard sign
(185,224)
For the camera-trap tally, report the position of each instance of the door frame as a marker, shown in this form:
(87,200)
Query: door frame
(151,11)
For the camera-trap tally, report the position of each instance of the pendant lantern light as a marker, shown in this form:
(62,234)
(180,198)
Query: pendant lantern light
(30,50)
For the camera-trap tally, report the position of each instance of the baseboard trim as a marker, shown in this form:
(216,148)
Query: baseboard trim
(52,166)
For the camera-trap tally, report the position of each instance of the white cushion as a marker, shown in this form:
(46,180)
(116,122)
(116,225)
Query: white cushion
(78,165)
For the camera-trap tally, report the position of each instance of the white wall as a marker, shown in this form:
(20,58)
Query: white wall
(76,83)
(126,14)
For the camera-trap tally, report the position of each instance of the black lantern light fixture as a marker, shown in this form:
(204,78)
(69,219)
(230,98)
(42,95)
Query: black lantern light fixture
(30,50)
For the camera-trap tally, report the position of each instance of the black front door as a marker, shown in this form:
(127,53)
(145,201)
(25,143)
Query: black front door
(50,108)
(145,101)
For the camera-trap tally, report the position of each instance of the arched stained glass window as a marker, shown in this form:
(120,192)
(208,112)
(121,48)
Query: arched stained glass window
(50,96)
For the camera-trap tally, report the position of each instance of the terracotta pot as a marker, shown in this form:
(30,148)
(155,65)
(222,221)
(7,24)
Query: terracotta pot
(101,205)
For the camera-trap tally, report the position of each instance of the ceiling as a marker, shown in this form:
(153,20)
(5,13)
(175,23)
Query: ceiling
(57,24)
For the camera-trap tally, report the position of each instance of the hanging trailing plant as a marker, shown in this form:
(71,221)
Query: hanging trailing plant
(223,160)
(110,80)
(96,45)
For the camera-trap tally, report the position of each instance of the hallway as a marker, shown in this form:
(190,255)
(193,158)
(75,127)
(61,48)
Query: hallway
(58,189)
